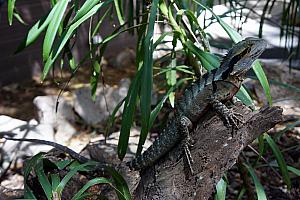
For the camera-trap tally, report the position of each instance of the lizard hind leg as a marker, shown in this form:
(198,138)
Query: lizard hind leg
(185,126)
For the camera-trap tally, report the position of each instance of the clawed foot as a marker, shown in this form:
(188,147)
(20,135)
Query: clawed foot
(233,118)
(185,125)
(187,143)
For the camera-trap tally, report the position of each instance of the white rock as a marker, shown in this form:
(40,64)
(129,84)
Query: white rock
(60,120)
(106,100)
(46,106)
(24,129)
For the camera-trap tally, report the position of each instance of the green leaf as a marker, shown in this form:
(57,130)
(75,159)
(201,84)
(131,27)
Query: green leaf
(43,180)
(36,30)
(28,166)
(55,179)
(261,195)
(19,17)
(119,11)
(70,174)
(280,160)
(241,193)
(294,170)
(94,78)
(128,114)
(28,193)
(96,29)
(91,183)
(66,36)
(221,190)
(233,34)
(257,68)
(182,68)
(120,184)
(53,28)
(85,8)
(10,10)
(244,96)
(112,117)
(62,164)
(147,77)
(208,60)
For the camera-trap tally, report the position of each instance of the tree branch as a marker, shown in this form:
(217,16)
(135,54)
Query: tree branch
(215,150)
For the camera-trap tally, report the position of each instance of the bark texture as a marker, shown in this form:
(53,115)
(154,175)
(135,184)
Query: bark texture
(215,150)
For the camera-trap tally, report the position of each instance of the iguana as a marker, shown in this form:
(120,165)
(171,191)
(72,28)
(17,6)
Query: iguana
(210,91)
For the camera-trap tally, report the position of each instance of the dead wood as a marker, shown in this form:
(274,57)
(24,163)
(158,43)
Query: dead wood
(215,150)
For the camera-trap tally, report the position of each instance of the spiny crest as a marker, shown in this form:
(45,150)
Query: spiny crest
(235,50)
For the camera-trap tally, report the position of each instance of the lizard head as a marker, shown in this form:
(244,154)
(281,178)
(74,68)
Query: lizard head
(242,55)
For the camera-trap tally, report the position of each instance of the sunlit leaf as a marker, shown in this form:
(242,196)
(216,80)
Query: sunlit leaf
(221,190)
(53,27)
(10,10)
(67,35)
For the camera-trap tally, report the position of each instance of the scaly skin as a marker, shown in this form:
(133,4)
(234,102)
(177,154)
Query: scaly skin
(210,91)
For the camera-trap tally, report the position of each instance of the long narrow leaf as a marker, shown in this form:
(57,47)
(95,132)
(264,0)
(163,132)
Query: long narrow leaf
(67,35)
(29,165)
(70,174)
(119,11)
(147,77)
(280,160)
(36,30)
(208,60)
(128,114)
(119,183)
(259,72)
(244,96)
(10,10)
(43,180)
(89,184)
(53,28)
(85,8)
(261,195)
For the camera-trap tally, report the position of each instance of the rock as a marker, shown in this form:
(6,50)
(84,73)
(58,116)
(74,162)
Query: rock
(106,150)
(46,106)
(124,59)
(23,129)
(60,120)
(13,182)
(107,98)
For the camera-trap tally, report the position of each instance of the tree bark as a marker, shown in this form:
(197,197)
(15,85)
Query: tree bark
(215,150)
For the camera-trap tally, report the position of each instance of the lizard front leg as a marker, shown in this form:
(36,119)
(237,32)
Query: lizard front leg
(231,117)
(185,125)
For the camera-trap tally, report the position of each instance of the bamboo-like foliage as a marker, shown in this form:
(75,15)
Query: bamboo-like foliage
(189,41)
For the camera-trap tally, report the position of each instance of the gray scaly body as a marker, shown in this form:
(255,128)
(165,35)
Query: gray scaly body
(210,91)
